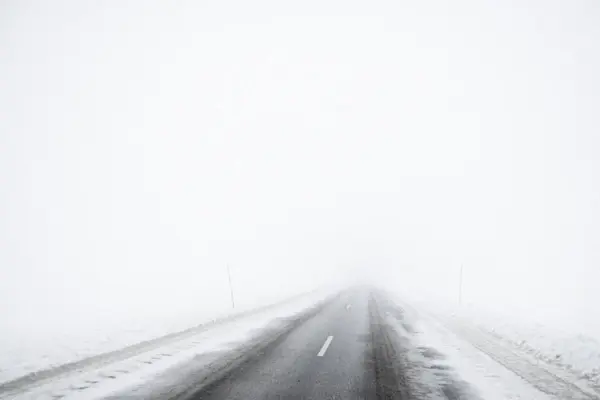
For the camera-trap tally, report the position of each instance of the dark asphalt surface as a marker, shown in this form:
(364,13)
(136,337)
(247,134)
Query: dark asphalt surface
(355,365)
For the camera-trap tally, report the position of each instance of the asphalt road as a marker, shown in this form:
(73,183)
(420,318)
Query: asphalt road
(342,352)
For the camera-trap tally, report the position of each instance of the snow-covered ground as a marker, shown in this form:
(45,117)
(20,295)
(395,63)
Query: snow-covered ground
(499,358)
(567,348)
(26,351)
(101,377)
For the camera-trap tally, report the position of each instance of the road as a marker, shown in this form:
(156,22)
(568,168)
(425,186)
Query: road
(339,353)
(359,344)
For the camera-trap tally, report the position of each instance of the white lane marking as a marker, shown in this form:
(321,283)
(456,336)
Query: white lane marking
(325,346)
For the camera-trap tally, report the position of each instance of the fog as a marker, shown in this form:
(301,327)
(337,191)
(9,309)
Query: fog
(147,145)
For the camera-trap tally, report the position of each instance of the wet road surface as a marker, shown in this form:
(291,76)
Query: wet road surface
(340,353)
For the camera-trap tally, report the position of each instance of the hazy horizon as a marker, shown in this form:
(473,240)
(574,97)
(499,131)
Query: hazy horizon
(148,145)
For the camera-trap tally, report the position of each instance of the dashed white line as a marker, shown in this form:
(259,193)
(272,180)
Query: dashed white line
(325,346)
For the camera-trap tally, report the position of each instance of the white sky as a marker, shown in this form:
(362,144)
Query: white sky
(146,144)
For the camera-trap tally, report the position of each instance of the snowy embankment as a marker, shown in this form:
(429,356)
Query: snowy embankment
(575,351)
(65,375)
(498,358)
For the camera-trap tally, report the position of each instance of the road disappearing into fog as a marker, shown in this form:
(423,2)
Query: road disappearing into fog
(328,356)
(343,351)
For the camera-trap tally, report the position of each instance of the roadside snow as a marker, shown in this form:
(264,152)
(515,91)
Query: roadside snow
(492,367)
(567,351)
(102,379)
(570,350)
(26,350)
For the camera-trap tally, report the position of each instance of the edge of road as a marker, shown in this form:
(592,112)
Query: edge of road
(406,369)
(390,382)
(34,379)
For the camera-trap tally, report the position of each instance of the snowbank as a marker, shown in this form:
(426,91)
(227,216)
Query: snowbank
(142,370)
(578,352)
(23,355)
(567,352)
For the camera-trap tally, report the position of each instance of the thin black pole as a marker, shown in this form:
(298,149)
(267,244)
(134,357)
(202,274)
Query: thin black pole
(230,287)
